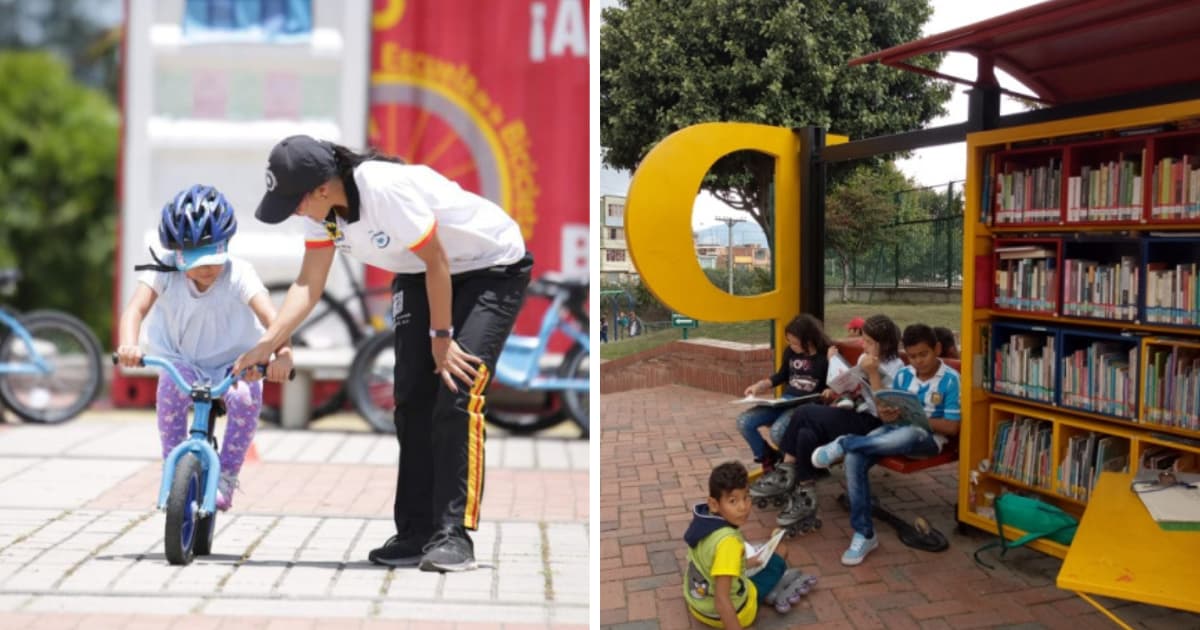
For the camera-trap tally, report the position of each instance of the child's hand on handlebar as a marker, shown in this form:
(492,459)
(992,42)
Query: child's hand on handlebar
(129,356)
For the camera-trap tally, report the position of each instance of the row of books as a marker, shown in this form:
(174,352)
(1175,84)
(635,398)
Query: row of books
(1111,191)
(1176,190)
(1031,195)
(1102,378)
(1104,290)
(1173,387)
(1087,455)
(1165,458)
(1023,365)
(1021,451)
(1025,278)
(1173,293)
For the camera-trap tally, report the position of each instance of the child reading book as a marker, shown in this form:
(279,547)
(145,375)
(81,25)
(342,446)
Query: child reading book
(717,584)
(937,386)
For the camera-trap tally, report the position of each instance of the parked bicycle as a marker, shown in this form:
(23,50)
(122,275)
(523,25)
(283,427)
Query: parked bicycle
(188,492)
(50,362)
(335,322)
(558,392)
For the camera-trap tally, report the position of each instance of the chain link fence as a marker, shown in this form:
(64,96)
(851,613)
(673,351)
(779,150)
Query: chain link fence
(926,248)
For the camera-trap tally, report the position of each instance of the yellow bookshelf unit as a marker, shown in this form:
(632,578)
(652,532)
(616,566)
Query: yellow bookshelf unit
(1081,307)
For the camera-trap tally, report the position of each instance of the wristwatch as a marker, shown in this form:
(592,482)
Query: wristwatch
(441,332)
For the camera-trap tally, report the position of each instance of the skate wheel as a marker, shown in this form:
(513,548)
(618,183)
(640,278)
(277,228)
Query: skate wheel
(780,501)
(761,503)
(782,607)
(791,531)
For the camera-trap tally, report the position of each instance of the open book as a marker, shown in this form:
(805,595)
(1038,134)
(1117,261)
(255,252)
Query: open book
(763,553)
(774,402)
(845,380)
(912,410)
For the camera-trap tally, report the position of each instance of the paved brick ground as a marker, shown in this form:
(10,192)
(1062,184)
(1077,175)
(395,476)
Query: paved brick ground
(81,543)
(657,446)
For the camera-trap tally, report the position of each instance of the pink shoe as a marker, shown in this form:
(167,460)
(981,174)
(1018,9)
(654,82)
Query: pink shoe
(225,487)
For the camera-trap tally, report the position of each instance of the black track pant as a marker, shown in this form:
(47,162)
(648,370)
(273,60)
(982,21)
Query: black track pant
(441,433)
(813,426)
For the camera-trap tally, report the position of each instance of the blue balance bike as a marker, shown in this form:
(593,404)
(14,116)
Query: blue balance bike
(525,395)
(188,492)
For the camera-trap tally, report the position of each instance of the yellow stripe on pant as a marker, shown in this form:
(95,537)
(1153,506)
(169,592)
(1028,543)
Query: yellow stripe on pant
(475,433)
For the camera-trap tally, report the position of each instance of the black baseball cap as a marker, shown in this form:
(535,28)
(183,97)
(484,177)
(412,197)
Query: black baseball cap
(297,165)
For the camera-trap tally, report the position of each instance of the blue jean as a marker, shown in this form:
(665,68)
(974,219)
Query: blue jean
(754,417)
(862,451)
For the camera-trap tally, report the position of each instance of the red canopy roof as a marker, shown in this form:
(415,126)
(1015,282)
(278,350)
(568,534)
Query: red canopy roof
(1068,51)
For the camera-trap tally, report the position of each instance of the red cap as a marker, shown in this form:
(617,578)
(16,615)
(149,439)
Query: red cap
(857,322)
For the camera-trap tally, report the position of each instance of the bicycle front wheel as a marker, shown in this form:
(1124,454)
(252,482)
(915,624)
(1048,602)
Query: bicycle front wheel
(72,353)
(575,365)
(372,381)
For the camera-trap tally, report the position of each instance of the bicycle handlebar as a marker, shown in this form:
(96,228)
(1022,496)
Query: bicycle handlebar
(220,388)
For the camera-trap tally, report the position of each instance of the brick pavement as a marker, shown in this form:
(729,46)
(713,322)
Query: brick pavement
(657,447)
(81,544)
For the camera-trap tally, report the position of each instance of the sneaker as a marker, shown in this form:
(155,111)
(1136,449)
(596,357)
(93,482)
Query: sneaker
(860,546)
(401,551)
(844,403)
(225,487)
(450,549)
(828,455)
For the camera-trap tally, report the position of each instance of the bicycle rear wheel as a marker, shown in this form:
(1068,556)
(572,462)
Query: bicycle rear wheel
(73,353)
(575,365)
(371,382)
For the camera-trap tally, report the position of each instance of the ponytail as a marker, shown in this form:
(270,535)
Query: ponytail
(347,159)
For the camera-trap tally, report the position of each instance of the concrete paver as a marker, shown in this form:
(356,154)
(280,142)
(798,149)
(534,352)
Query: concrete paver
(657,448)
(81,540)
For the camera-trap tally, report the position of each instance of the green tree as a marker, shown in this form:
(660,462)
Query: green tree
(58,145)
(860,215)
(667,65)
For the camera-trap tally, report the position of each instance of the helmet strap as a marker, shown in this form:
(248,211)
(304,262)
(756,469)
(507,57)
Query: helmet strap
(158,266)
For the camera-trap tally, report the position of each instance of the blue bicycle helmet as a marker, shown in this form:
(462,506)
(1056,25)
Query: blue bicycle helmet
(196,217)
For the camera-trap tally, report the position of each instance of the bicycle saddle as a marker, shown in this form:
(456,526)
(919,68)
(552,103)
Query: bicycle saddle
(8,280)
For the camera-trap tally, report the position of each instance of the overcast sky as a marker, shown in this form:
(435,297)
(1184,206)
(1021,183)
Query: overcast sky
(936,165)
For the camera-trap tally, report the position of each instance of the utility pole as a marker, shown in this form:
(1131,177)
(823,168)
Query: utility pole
(730,221)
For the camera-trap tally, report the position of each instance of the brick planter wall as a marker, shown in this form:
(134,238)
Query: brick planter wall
(719,366)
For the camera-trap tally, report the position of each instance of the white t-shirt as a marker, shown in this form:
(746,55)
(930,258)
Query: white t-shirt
(206,330)
(400,206)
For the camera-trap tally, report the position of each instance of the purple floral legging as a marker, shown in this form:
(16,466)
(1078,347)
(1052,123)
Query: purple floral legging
(242,404)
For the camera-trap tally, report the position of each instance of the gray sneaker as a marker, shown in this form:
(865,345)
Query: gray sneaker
(450,550)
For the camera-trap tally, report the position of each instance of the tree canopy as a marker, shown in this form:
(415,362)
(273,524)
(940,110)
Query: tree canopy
(668,65)
(58,144)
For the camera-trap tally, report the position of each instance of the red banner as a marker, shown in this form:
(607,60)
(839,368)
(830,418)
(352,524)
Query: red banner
(495,96)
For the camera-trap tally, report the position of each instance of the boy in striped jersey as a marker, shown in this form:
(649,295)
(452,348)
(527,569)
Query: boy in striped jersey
(937,385)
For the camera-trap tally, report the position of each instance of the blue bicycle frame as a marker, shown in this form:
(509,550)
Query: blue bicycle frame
(518,366)
(197,442)
(36,363)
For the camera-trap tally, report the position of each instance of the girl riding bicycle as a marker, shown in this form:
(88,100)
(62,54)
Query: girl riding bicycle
(211,308)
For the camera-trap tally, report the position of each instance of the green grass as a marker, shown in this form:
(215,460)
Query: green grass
(836,318)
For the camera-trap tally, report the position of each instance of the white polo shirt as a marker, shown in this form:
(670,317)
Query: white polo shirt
(400,208)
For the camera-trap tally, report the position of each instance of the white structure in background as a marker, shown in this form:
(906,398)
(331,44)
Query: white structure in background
(616,267)
(206,106)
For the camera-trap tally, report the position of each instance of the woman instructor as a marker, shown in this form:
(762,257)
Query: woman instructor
(461,271)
